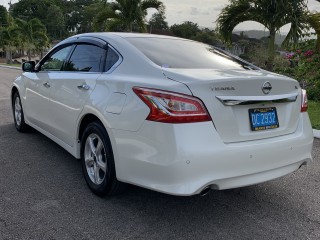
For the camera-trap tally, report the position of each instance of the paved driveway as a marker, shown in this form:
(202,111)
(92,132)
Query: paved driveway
(43,196)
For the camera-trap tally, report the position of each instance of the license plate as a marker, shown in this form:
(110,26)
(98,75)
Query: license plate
(263,118)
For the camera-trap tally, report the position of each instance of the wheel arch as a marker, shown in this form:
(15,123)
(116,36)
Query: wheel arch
(13,91)
(84,121)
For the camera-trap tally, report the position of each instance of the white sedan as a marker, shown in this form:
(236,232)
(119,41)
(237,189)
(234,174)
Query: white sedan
(164,113)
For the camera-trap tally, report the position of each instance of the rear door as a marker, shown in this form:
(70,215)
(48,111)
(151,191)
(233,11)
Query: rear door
(72,88)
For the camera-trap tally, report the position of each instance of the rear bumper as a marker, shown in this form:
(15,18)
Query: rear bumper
(183,159)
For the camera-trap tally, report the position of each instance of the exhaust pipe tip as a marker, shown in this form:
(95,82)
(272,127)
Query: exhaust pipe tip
(205,191)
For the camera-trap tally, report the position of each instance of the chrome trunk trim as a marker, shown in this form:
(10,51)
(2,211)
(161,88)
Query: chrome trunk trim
(248,100)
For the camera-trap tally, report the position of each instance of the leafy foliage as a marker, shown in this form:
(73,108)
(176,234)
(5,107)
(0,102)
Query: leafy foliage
(9,40)
(185,30)
(55,22)
(273,14)
(303,65)
(126,15)
(32,34)
(50,15)
(3,16)
(158,22)
(314,21)
(208,36)
(59,16)
(132,13)
(94,17)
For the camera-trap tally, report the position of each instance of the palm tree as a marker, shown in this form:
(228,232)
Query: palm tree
(314,21)
(127,15)
(273,14)
(34,35)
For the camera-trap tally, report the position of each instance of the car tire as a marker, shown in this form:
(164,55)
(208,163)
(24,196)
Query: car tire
(98,162)
(18,114)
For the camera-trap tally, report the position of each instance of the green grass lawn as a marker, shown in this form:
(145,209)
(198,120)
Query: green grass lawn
(314,114)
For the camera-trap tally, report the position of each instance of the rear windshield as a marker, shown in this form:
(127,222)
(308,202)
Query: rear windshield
(179,53)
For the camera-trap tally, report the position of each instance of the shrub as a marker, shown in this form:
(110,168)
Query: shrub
(305,67)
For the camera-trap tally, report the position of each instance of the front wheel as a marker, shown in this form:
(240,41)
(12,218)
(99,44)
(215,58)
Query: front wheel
(18,115)
(98,162)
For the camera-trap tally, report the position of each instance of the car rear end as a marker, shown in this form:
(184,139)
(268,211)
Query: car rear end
(239,126)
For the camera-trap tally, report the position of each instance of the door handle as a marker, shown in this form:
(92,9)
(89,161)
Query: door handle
(47,84)
(84,87)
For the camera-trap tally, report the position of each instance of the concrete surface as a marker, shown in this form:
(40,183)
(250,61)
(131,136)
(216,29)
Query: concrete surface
(316,133)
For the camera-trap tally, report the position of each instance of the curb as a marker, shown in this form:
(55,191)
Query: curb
(316,133)
(11,67)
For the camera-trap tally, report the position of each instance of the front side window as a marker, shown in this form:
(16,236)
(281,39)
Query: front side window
(86,58)
(56,60)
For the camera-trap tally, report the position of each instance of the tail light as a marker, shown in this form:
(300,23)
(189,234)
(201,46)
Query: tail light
(170,107)
(304,101)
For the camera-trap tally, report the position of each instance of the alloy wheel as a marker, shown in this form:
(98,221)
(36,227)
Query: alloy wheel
(95,159)
(17,111)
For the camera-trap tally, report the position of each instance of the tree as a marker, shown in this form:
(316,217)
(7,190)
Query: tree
(33,34)
(158,22)
(75,13)
(9,40)
(55,22)
(207,36)
(87,23)
(185,30)
(51,15)
(100,14)
(29,9)
(273,14)
(59,16)
(314,21)
(128,15)
(3,16)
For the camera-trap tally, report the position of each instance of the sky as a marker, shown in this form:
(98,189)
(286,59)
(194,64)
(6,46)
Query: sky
(203,12)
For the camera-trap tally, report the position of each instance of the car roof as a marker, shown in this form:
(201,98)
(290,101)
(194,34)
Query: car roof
(108,35)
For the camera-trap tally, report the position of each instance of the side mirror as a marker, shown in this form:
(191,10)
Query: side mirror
(29,66)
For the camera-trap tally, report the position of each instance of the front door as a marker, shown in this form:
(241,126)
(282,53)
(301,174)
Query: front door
(39,89)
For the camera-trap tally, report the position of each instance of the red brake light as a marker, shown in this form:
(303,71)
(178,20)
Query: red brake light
(304,100)
(170,107)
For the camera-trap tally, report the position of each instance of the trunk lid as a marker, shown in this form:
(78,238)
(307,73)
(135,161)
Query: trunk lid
(229,94)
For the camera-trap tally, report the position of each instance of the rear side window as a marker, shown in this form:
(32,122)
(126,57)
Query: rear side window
(86,58)
(112,58)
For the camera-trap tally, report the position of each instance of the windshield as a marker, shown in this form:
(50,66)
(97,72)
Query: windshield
(180,53)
